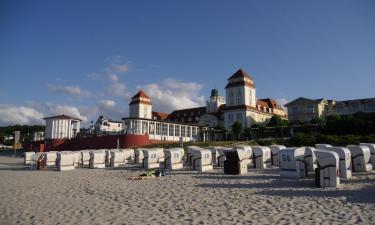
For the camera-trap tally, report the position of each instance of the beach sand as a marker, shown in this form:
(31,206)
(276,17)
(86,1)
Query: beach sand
(106,196)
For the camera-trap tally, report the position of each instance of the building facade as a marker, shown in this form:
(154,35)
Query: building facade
(305,109)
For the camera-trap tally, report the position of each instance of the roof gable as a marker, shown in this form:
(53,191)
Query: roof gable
(240,73)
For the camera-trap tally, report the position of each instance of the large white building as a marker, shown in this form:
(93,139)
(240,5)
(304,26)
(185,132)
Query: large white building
(61,127)
(241,105)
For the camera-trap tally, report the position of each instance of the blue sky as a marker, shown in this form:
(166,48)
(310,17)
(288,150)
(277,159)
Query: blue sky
(87,58)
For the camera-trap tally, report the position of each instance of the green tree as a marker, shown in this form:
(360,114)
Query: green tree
(277,121)
(237,129)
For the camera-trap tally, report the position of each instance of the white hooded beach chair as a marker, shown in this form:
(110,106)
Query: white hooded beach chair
(323,146)
(345,161)
(85,158)
(327,173)
(77,158)
(202,160)
(107,156)
(173,158)
(248,153)
(310,159)
(129,155)
(29,159)
(117,158)
(360,158)
(275,154)
(215,154)
(261,156)
(292,163)
(235,161)
(371,146)
(138,155)
(97,159)
(50,158)
(151,159)
(65,161)
(190,153)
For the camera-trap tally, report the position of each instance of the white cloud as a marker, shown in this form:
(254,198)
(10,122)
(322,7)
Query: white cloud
(107,104)
(172,94)
(34,113)
(119,68)
(113,77)
(12,115)
(282,102)
(75,91)
(119,90)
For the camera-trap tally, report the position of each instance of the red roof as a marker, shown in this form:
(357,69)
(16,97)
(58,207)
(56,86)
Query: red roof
(160,115)
(141,94)
(240,73)
(62,116)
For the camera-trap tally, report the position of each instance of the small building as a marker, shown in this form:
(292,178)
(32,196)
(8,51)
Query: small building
(103,125)
(61,127)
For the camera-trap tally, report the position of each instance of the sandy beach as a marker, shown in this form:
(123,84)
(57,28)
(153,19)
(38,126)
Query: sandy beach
(106,196)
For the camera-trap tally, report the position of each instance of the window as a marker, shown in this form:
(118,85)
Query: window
(189,119)
(137,126)
(158,128)
(230,118)
(145,112)
(165,129)
(197,118)
(194,131)
(238,97)
(151,129)
(239,117)
(171,130)
(144,127)
(192,113)
(231,96)
(310,109)
(188,134)
(177,130)
(183,131)
(294,109)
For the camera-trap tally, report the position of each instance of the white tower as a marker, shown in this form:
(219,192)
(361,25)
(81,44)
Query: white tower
(140,106)
(240,90)
(215,101)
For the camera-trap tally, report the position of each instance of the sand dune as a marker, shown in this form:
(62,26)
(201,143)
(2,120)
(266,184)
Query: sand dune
(105,196)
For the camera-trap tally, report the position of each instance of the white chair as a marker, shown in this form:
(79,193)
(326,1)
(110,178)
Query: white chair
(129,155)
(248,153)
(85,157)
(236,161)
(50,158)
(117,158)
(107,156)
(97,159)
(310,159)
(275,154)
(77,158)
(189,153)
(261,157)
(173,158)
(28,159)
(327,173)
(360,158)
(151,159)
(65,161)
(323,146)
(215,154)
(160,152)
(292,163)
(202,160)
(138,155)
(371,146)
(344,161)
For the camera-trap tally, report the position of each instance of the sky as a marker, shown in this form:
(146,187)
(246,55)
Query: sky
(87,58)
